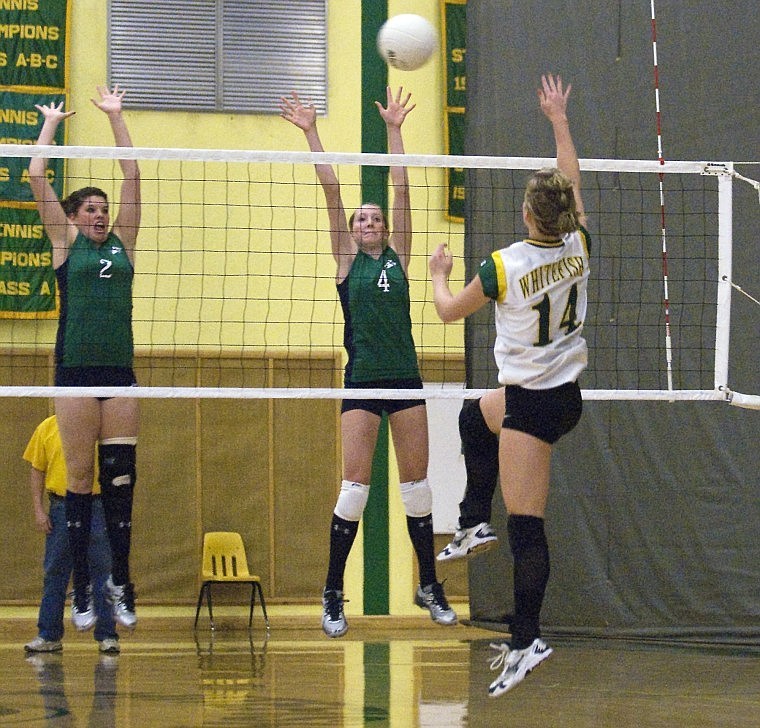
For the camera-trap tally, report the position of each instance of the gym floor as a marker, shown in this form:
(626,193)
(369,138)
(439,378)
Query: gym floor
(387,671)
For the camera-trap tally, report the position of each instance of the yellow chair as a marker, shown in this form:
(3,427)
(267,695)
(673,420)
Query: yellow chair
(224,562)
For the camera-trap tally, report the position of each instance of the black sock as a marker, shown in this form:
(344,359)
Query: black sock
(530,550)
(480,448)
(118,513)
(421,534)
(78,522)
(342,536)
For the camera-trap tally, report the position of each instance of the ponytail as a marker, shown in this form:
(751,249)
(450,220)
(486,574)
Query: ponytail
(550,199)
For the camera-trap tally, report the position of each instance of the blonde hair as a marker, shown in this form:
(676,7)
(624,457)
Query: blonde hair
(550,199)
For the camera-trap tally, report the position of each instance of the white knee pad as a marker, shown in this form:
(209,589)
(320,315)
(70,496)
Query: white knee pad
(351,501)
(417,497)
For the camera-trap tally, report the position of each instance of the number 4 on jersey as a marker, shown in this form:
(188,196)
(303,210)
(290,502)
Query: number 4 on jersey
(383,282)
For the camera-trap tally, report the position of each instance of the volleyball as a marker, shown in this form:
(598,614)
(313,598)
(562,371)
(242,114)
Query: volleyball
(406,41)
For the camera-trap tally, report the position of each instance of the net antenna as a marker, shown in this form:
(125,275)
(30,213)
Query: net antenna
(661,160)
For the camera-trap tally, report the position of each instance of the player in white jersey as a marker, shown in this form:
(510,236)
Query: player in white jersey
(539,286)
(540,292)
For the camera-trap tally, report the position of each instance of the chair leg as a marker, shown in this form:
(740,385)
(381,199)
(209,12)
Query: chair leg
(206,590)
(263,603)
(210,610)
(200,601)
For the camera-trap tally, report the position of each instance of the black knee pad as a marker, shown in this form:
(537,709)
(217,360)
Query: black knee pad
(117,482)
(118,471)
(474,431)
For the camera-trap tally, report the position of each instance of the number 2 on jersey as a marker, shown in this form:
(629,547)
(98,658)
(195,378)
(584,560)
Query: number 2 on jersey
(568,321)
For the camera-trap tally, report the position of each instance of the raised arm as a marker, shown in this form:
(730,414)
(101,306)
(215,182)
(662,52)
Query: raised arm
(452,307)
(393,114)
(305,118)
(57,226)
(553,99)
(127,223)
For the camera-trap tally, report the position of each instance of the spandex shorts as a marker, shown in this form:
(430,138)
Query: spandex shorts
(95,377)
(544,413)
(378,406)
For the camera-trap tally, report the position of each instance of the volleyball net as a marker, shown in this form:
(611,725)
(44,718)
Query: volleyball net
(234,292)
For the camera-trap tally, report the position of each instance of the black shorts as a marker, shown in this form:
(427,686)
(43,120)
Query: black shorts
(378,406)
(95,377)
(544,413)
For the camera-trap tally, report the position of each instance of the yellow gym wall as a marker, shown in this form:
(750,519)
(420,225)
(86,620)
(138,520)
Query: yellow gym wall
(340,132)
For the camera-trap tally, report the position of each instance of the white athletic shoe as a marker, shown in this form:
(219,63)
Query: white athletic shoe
(468,542)
(83,611)
(434,600)
(334,622)
(517,664)
(109,646)
(122,601)
(40,644)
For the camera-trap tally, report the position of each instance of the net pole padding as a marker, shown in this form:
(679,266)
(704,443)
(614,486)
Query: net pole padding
(430,392)
(347,158)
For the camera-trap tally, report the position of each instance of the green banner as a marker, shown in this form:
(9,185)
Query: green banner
(455,177)
(33,62)
(33,43)
(455,28)
(455,25)
(27,278)
(20,123)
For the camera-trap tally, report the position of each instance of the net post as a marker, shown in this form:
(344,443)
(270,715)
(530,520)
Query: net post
(725,238)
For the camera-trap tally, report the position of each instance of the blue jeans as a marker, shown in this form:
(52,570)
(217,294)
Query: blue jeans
(57,567)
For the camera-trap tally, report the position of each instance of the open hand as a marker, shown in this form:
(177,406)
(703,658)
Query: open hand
(553,97)
(292,110)
(54,112)
(110,101)
(396,109)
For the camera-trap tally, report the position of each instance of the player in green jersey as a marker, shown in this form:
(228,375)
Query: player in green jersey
(373,288)
(94,265)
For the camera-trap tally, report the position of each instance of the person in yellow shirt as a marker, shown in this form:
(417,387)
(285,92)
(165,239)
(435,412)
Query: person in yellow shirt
(48,475)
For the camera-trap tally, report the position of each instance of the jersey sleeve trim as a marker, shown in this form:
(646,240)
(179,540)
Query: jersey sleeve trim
(585,239)
(501,276)
(493,277)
